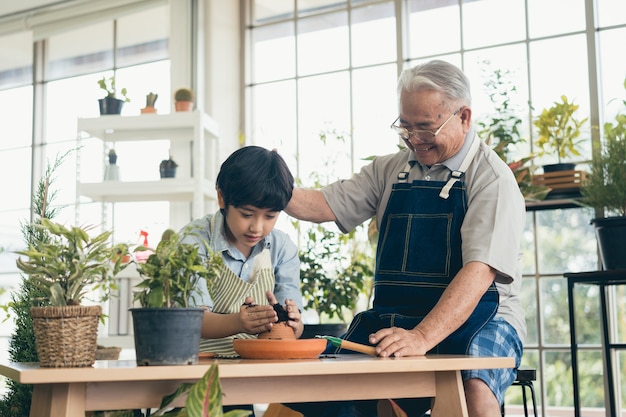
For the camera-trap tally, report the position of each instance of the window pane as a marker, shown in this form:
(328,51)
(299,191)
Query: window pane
(80,51)
(541,17)
(529,303)
(566,241)
(149,43)
(558,379)
(266,10)
(434,27)
(273,52)
(306,7)
(323,102)
(591,380)
(611,12)
(140,80)
(553,74)
(15,171)
(476,14)
(555,322)
(17,60)
(613,72)
(17,129)
(373,34)
(323,43)
(375,106)
(274,113)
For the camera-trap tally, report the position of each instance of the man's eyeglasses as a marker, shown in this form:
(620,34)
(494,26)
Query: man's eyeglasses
(424,136)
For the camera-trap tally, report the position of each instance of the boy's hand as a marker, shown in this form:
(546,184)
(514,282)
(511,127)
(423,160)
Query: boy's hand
(256,318)
(293,313)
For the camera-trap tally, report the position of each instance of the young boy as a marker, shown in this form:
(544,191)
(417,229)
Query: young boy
(262,266)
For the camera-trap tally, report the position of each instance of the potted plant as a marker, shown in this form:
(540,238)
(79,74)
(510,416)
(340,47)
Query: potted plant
(64,264)
(559,134)
(151,99)
(183,99)
(167,168)
(167,327)
(605,190)
(111,103)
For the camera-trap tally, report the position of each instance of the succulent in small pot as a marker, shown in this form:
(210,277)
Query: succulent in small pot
(151,99)
(167,168)
(183,99)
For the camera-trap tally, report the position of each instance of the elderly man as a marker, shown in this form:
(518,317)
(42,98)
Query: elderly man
(450,217)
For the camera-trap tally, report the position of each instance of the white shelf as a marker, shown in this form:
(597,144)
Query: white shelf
(195,128)
(173,126)
(167,189)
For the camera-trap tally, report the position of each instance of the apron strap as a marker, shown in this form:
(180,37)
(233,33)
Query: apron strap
(457,175)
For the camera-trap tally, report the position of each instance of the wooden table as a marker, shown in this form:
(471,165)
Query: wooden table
(113,385)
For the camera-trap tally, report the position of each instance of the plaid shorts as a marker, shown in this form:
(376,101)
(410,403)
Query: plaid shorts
(497,338)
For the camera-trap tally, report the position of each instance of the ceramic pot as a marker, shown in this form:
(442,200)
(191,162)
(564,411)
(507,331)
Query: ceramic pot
(167,336)
(110,105)
(611,237)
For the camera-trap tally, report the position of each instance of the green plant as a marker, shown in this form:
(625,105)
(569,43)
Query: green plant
(172,272)
(108,85)
(17,399)
(502,132)
(183,94)
(559,131)
(67,262)
(335,268)
(151,99)
(605,187)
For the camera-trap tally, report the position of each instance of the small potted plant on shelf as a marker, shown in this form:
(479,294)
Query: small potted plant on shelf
(111,103)
(151,99)
(559,134)
(167,168)
(605,190)
(183,99)
(171,277)
(64,264)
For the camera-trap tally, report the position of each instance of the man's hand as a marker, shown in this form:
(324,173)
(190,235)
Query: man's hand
(395,341)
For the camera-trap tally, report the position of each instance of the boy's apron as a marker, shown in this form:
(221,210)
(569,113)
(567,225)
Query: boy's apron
(418,254)
(231,292)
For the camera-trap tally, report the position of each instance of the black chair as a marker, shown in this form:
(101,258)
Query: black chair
(524,379)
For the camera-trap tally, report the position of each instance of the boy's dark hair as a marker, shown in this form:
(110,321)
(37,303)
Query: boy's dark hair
(256,176)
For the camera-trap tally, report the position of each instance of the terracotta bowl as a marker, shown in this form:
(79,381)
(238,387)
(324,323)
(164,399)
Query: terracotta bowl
(279,349)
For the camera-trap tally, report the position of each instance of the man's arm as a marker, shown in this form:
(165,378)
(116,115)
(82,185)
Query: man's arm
(309,205)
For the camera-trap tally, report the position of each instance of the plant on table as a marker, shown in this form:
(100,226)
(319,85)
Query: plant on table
(111,90)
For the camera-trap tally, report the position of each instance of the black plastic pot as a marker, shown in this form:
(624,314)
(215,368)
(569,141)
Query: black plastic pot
(110,105)
(563,166)
(167,336)
(611,236)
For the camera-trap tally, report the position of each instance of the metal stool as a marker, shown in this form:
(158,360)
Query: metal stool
(524,379)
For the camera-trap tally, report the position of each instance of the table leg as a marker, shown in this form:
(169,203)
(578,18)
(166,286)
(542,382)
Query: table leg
(55,400)
(450,395)
(609,389)
(573,346)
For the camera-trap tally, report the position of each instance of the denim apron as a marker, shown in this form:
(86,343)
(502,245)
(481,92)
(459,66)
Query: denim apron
(418,254)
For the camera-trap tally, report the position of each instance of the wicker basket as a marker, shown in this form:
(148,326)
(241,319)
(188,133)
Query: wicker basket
(66,337)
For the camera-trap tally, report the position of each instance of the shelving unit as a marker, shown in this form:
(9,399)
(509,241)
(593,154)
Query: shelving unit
(195,127)
(191,194)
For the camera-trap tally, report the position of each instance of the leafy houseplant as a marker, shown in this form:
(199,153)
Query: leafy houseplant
(605,190)
(559,131)
(63,264)
(171,278)
(111,103)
